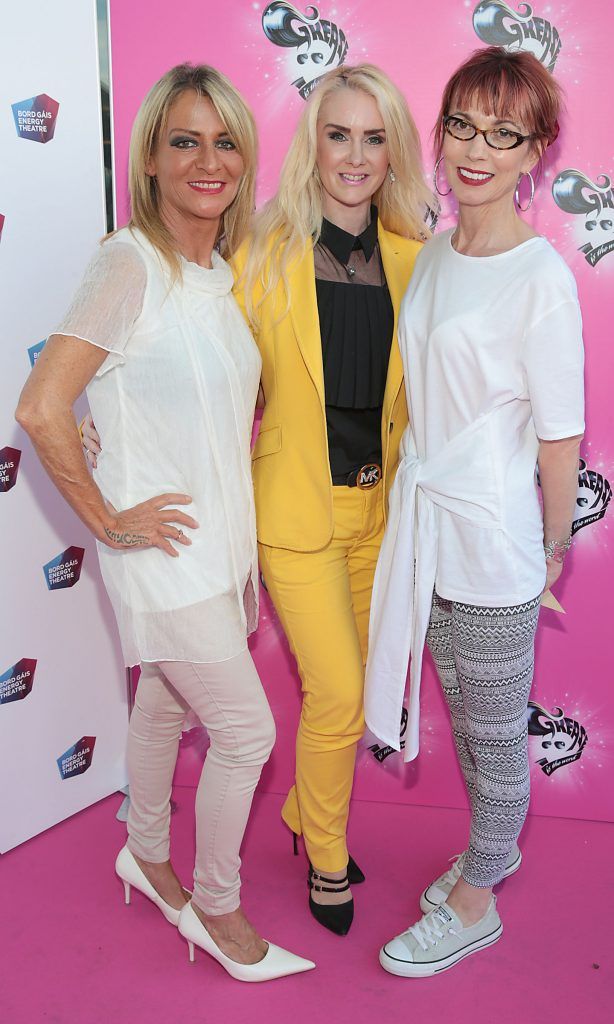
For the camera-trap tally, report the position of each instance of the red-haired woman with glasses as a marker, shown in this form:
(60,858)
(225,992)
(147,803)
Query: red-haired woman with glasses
(491,338)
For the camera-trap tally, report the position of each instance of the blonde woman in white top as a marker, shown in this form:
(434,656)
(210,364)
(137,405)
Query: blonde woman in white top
(491,339)
(172,376)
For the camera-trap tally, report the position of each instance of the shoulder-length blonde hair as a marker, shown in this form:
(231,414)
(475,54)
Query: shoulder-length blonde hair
(294,215)
(149,123)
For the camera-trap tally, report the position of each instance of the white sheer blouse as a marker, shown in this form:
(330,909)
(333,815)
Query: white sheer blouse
(173,403)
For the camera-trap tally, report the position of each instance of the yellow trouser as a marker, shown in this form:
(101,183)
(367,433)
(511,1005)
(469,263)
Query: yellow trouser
(322,599)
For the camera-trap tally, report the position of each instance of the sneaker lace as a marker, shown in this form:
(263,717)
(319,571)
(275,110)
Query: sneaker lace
(453,874)
(428,931)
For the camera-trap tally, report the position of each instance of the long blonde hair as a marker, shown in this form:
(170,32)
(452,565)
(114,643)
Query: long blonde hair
(150,120)
(294,215)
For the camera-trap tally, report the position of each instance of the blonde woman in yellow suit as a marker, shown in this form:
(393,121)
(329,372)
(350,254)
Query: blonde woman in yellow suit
(349,214)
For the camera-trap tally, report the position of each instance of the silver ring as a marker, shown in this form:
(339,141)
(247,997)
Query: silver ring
(180,534)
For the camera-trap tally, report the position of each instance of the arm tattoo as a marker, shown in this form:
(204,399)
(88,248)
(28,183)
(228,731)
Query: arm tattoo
(127,539)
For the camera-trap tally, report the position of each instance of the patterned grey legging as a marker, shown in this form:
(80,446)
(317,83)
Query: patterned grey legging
(484,658)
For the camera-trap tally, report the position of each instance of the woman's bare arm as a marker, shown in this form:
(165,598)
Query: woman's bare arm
(558,476)
(62,371)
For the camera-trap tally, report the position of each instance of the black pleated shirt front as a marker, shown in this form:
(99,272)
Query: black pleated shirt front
(356,326)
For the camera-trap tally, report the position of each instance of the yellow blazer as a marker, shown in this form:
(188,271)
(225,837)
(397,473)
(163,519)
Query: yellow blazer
(290,465)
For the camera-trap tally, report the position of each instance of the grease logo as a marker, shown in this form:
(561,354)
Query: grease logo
(17,682)
(65,569)
(77,758)
(574,192)
(35,350)
(319,45)
(497,24)
(561,740)
(9,467)
(35,118)
(592,499)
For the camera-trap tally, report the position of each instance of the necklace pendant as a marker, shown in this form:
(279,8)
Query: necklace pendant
(350,271)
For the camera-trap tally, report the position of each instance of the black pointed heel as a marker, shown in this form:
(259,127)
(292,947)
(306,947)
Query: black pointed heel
(355,875)
(336,917)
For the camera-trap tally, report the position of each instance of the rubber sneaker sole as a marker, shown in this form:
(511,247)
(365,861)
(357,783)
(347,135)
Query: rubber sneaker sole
(426,904)
(404,969)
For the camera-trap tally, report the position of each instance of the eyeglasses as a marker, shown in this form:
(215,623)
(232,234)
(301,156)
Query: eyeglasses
(496,138)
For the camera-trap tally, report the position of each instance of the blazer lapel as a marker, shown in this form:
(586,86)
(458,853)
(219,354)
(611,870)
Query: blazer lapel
(396,273)
(305,319)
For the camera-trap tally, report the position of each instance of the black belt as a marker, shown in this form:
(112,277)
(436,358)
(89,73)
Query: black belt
(365,478)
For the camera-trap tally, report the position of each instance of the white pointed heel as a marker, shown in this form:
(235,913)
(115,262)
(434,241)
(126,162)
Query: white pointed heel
(276,963)
(131,875)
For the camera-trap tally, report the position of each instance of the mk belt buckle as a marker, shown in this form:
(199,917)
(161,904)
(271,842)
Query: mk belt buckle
(368,476)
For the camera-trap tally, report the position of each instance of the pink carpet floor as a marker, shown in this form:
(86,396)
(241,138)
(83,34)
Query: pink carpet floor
(72,953)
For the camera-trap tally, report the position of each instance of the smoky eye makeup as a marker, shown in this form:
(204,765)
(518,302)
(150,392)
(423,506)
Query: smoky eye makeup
(188,141)
(341,135)
(182,140)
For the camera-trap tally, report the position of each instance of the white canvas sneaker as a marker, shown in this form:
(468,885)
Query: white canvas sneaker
(438,941)
(439,890)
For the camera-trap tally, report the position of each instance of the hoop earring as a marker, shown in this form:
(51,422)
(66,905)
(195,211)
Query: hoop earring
(435,186)
(392,176)
(523,209)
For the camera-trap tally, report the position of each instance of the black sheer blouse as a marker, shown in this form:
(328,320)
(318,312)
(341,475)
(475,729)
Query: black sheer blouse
(356,325)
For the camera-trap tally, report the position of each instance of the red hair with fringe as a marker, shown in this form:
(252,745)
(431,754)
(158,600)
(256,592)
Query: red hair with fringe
(504,85)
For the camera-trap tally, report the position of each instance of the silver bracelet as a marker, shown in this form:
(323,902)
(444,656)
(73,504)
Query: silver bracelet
(557,549)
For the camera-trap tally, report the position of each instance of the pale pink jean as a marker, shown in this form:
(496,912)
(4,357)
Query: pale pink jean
(229,700)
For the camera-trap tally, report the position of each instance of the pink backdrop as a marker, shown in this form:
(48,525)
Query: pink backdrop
(419,45)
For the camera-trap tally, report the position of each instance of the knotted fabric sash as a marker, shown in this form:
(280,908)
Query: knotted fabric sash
(462,479)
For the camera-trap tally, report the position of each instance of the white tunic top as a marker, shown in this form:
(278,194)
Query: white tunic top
(173,403)
(493,359)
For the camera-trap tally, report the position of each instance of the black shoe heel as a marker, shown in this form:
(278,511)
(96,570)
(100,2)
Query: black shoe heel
(336,917)
(355,875)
